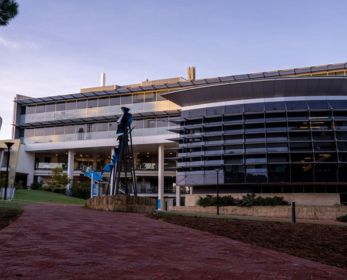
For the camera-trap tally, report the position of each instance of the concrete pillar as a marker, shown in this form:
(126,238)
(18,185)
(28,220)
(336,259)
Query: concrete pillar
(111,174)
(30,179)
(70,167)
(161,177)
(2,152)
(94,162)
(178,195)
(191,190)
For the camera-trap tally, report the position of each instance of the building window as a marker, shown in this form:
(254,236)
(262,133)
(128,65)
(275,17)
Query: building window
(71,105)
(149,123)
(38,131)
(138,124)
(50,107)
(92,103)
(162,122)
(104,102)
(49,131)
(138,98)
(70,129)
(31,109)
(29,133)
(150,97)
(81,104)
(126,99)
(114,101)
(60,106)
(59,130)
(40,109)
(112,126)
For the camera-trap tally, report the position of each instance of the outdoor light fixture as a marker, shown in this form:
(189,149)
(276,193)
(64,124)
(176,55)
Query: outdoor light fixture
(9,145)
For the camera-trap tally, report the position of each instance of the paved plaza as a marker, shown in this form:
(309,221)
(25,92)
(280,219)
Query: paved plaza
(71,242)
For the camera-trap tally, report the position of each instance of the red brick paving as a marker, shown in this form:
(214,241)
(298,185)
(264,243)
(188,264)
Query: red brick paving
(70,242)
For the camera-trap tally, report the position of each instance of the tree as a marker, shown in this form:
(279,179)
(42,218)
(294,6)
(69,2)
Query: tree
(58,181)
(8,10)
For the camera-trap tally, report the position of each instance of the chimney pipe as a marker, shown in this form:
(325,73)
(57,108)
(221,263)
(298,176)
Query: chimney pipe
(103,79)
(191,73)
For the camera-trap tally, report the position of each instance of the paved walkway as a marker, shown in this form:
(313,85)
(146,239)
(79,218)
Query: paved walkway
(70,242)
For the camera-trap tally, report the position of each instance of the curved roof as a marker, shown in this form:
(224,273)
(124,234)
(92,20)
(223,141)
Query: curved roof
(266,88)
(217,80)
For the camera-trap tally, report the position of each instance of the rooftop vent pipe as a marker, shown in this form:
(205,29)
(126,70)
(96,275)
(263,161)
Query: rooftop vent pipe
(103,79)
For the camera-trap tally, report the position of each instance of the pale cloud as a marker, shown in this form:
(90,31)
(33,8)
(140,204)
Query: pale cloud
(15,45)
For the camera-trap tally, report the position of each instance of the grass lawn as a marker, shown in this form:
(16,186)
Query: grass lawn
(29,196)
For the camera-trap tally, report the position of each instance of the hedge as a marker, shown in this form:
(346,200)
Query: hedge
(247,200)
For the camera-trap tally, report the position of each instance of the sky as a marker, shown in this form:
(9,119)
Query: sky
(58,47)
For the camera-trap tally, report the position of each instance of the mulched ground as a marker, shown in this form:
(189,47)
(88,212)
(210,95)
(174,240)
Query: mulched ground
(323,243)
(8,215)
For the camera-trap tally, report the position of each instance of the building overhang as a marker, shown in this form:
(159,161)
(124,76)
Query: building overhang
(258,89)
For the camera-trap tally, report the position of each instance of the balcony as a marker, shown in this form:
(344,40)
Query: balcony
(94,135)
(98,111)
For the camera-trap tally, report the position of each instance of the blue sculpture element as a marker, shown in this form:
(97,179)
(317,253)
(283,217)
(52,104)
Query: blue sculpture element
(122,161)
(95,177)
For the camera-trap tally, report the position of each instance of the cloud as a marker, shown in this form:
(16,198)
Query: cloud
(14,45)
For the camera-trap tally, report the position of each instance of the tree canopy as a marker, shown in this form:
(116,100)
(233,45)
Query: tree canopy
(8,10)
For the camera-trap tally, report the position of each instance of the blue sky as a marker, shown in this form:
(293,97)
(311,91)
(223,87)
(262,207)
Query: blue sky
(57,47)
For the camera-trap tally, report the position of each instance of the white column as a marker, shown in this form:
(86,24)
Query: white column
(2,152)
(178,195)
(161,177)
(111,174)
(94,162)
(70,167)
(30,179)
(191,190)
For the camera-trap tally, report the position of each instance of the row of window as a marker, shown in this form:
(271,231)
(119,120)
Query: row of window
(306,157)
(95,127)
(277,147)
(263,127)
(241,137)
(267,106)
(280,173)
(317,116)
(93,102)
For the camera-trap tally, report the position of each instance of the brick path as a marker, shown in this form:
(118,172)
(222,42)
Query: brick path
(70,242)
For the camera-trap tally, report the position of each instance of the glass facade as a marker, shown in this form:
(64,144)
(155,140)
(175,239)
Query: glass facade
(271,143)
(142,127)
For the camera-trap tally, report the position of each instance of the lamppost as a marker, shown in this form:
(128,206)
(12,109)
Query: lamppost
(217,174)
(9,145)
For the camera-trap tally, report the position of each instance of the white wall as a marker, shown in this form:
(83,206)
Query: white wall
(26,164)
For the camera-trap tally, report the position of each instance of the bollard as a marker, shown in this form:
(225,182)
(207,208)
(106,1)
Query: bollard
(293,213)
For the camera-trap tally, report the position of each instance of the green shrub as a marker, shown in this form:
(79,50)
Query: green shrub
(342,219)
(36,186)
(81,190)
(245,201)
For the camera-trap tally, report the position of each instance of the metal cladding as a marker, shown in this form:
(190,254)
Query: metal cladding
(266,88)
(282,135)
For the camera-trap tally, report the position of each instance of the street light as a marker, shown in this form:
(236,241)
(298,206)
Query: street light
(217,174)
(9,145)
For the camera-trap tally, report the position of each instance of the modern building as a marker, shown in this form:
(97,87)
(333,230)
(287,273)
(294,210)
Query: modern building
(270,132)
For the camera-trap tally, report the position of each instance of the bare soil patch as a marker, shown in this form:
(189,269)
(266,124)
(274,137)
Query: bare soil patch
(323,243)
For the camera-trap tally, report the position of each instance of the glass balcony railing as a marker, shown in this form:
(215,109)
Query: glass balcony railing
(99,111)
(95,135)
(50,165)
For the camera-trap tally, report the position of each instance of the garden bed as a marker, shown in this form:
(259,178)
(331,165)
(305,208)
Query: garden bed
(323,243)
(8,213)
